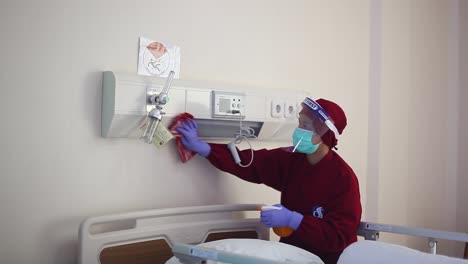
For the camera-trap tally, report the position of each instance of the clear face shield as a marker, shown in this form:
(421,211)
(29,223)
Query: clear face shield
(313,123)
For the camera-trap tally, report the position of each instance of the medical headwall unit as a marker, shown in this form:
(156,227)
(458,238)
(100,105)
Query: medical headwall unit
(216,108)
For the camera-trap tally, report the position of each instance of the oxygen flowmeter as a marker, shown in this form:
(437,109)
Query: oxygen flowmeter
(156,114)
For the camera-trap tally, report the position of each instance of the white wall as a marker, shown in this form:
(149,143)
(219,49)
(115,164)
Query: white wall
(56,170)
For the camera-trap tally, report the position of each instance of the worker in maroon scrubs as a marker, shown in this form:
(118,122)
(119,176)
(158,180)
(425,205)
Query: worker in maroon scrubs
(320,197)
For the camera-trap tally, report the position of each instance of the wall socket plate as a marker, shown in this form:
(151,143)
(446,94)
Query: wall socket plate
(228,105)
(290,109)
(277,108)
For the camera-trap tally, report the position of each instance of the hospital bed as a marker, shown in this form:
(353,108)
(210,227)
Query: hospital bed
(205,234)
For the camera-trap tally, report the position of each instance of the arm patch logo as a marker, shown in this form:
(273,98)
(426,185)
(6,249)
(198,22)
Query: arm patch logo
(318,212)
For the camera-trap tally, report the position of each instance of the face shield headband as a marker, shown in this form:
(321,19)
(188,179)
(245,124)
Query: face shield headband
(321,113)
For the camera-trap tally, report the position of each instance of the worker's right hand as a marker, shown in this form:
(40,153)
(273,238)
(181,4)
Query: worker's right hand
(190,140)
(281,217)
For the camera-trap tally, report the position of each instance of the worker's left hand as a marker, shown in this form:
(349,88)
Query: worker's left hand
(190,140)
(282,217)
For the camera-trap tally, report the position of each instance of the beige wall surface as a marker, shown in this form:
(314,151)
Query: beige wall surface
(428,119)
(395,78)
(462,208)
(56,169)
(417,187)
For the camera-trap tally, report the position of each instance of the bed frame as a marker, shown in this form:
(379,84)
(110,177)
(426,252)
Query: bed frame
(148,236)
(154,236)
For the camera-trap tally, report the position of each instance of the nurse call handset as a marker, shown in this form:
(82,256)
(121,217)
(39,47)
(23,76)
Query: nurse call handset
(232,148)
(244,132)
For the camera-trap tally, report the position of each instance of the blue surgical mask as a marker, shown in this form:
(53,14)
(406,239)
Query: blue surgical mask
(302,140)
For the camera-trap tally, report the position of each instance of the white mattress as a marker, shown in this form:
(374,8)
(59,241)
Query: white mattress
(270,250)
(363,252)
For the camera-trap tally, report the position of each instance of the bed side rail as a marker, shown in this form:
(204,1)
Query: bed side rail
(370,231)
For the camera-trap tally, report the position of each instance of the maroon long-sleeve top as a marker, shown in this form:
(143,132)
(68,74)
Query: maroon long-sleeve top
(327,194)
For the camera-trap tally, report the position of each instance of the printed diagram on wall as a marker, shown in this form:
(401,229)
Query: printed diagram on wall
(157,58)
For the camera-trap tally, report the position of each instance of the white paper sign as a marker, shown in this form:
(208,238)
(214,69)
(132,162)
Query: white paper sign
(157,58)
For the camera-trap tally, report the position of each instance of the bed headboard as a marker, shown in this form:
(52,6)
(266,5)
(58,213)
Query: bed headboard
(147,236)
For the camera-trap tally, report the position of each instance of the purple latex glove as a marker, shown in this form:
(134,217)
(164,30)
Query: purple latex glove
(283,217)
(190,139)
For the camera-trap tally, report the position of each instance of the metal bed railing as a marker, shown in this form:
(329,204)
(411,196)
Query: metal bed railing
(370,231)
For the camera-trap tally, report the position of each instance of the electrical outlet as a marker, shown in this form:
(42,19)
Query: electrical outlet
(277,108)
(290,109)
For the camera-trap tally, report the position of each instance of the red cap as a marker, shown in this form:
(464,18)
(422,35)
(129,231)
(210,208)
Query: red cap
(339,119)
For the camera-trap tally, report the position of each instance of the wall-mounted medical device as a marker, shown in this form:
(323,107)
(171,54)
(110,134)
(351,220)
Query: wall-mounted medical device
(155,103)
(218,109)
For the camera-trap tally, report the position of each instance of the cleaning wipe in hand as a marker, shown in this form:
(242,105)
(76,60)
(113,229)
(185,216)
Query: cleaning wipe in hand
(185,154)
